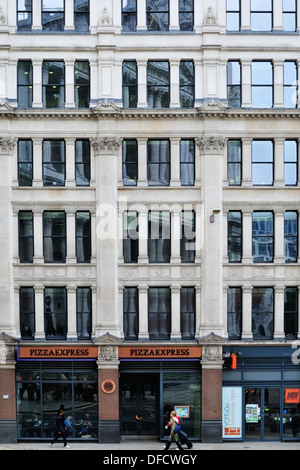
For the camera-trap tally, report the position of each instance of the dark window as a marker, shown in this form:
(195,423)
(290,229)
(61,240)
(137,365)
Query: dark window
(82,162)
(53,84)
(55,312)
(291,312)
(53,15)
(262,84)
(159,237)
(262,237)
(187,312)
(289,14)
(291,236)
(26,251)
(186,79)
(159,312)
(187,162)
(290,86)
(233,15)
(25,84)
(54,163)
(82,83)
(54,237)
(234,230)
(158,84)
(24,15)
(262,312)
(25,163)
(84,312)
(131,312)
(129,15)
(157,15)
(188,237)
(261,15)
(131,237)
(158,166)
(83,237)
(27,312)
(130,162)
(234,312)
(290,162)
(262,162)
(234,98)
(81,15)
(186,15)
(129,84)
(234,162)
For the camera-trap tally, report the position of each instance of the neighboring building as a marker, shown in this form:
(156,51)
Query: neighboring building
(150,206)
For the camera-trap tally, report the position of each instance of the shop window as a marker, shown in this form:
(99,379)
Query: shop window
(53,15)
(54,165)
(130,312)
(157,15)
(24,15)
(290,162)
(159,312)
(233,15)
(186,15)
(291,413)
(262,162)
(129,83)
(83,237)
(262,313)
(291,236)
(289,15)
(26,237)
(234,233)
(187,162)
(81,15)
(234,312)
(186,83)
(261,15)
(159,236)
(158,162)
(262,84)
(262,237)
(82,162)
(53,84)
(27,312)
(131,237)
(234,162)
(130,162)
(158,84)
(291,313)
(82,83)
(234,96)
(188,237)
(84,312)
(55,312)
(129,15)
(25,84)
(25,163)
(54,226)
(187,312)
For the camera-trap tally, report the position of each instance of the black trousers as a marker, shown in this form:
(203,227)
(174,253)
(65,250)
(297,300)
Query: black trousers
(59,434)
(170,442)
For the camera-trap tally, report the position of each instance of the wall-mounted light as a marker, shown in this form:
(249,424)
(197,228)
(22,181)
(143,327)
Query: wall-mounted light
(212,217)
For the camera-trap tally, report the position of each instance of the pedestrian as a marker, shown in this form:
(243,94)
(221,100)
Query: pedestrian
(173,423)
(60,430)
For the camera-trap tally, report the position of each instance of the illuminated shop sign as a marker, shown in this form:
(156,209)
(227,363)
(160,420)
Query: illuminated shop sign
(160,353)
(57,352)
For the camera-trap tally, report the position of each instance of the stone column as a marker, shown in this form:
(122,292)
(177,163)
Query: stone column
(247,313)
(279,312)
(175,309)
(247,238)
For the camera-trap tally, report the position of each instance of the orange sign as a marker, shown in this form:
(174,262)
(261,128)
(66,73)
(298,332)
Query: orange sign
(232,431)
(292,395)
(170,352)
(57,352)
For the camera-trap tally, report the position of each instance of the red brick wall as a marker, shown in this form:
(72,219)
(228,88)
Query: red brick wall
(7,387)
(211,394)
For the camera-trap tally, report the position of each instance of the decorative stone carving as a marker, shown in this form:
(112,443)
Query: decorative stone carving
(105,18)
(210,18)
(108,353)
(211,145)
(7,145)
(106,145)
(7,349)
(3,19)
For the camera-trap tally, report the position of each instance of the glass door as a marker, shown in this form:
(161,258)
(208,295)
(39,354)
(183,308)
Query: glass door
(253,413)
(271,414)
(262,413)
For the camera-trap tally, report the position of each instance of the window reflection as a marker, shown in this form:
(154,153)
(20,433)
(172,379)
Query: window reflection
(53,15)
(157,15)
(262,237)
(262,313)
(158,76)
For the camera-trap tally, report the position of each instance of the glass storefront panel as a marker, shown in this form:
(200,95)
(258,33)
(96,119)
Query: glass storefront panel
(291,413)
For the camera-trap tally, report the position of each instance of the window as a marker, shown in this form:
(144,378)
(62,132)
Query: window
(54,163)
(187,312)
(159,312)
(129,15)
(53,84)
(188,237)
(290,162)
(83,237)
(187,162)
(186,80)
(261,15)
(157,15)
(54,237)
(262,237)
(53,15)
(291,236)
(234,162)
(131,237)
(289,14)
(26,237)
(158,84)
(130,162)
(129,84)
(290,84)
(186,15)
(27,312)
(262,162)
(262,313)
(131,313)
(233,15)
(234,312)
(25,83)
(25,163)
(84,312)
(24,15)
(82,162)
(159,237)
(82,83)
(262,84)
(234,84)
(234,230)
(291,312)
(55,312)
(158,166)
(81,15)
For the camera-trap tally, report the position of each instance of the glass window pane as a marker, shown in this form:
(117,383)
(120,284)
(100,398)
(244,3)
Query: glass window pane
(26,248)
(291,313)
(53,163)
(55,312)
(291,236)
(83,237)
(234,312)
(82,162)
(130,308)
(234,230)
(187,162)
(262,313)
(84,312)
(130,162)
(262,73)
(54,227)
(262,237)
(27,312)
(262,151)
(187,312)
(159,237)
(159,310)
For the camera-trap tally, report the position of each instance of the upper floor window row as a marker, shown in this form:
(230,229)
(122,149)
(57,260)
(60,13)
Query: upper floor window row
(52,15)
(263,15)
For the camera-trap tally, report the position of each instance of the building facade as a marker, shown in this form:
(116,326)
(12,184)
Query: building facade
(149,218)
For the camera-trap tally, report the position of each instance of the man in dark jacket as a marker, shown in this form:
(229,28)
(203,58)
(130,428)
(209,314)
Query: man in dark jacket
(60,427)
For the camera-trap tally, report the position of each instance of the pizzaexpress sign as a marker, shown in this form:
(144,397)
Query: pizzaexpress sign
(160,352)
(44,352)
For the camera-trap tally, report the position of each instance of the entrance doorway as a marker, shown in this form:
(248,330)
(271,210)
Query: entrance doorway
(262,413)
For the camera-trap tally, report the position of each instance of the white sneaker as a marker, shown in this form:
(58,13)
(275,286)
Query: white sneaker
(51,445)
(66,447)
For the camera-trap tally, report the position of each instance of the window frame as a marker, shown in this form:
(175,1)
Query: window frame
(190,314)
(293,312)
(187,180)
(234,316)
(86,87)
(160,12)
(256,163)
(61,292)
(62,163)
(288,163)
(185,84)
(130,236)
(47,86)
(130,315)
(129,14)
(22,86)
(287,86)
(236,13)
(153,88)
(257,290)
(88,313)
(159,230)
(130,88)
(85,240)
(78,15)
(61,237)
(45,11)
(181,13)
(23,248)
(158,165)
(187,255)
(84,153)
(163,293)
(263,235)
(235,240)
(29,313)
(131,163)
(291,237)
(233,164)
(259,13)
(25,163)
(262,86)
(234,88)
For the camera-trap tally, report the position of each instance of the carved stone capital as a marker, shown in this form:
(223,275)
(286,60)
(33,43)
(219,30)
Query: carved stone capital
(106,146)
(7,145)
(211,145)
